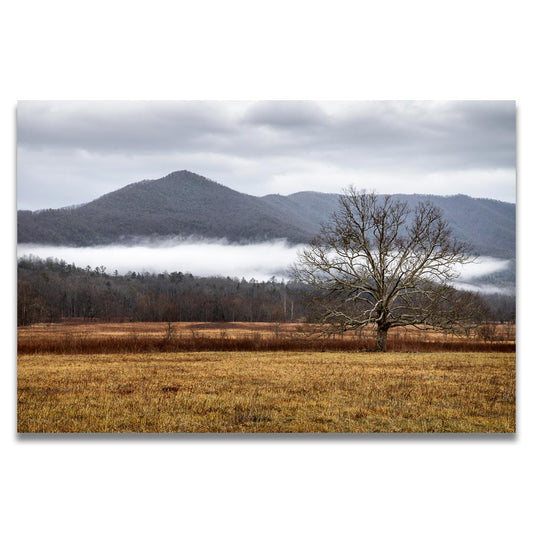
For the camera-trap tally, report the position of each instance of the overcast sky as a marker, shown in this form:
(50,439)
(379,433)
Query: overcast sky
(72,152)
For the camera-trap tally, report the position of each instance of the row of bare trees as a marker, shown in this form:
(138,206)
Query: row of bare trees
(49,291)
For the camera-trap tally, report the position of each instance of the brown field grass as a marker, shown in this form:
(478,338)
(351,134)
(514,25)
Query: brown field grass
(266,392)
(136,337)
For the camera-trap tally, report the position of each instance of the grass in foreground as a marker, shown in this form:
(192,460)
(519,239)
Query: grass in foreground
(267,392)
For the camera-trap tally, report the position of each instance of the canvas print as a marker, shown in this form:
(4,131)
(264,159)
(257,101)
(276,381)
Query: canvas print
(266,266)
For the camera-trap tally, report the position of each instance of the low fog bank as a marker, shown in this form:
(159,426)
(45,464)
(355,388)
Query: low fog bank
(482,266)
(203,257)
(260,261)
(476,276)
(483,288)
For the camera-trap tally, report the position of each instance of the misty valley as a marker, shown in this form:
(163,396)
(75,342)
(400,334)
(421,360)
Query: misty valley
(192,281)
(258,261)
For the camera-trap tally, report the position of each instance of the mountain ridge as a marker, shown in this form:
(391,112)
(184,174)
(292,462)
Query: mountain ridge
(186,204)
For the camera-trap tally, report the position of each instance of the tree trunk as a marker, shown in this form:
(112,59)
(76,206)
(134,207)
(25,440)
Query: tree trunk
(381,339)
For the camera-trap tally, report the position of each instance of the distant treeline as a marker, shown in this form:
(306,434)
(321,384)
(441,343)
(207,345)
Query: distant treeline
(51,290)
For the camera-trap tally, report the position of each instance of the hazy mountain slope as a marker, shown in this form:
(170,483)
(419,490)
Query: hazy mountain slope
(306,209)
(488,224)
(317,207)
(293,213)
(185,204)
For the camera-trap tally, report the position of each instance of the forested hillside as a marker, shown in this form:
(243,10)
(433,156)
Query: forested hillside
(187,204)
(182,203)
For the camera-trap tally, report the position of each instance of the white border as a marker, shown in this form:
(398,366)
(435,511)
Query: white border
(246,50)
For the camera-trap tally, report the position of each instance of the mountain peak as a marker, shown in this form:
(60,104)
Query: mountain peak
(185,175)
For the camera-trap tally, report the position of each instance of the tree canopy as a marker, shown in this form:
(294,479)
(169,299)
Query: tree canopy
(380,262)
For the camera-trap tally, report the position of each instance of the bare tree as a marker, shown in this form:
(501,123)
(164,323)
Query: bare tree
(380,262)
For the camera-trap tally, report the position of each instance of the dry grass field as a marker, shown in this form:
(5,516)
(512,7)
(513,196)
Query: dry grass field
(267,392)
(136,337)
(242,377)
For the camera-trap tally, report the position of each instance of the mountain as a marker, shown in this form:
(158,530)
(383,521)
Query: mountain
(181,203)
(185,204)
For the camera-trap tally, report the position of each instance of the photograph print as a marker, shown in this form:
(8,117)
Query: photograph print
(266,267)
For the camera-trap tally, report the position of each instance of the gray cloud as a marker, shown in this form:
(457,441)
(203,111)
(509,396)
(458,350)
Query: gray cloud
(120,127)
(286,114)
(72,152)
